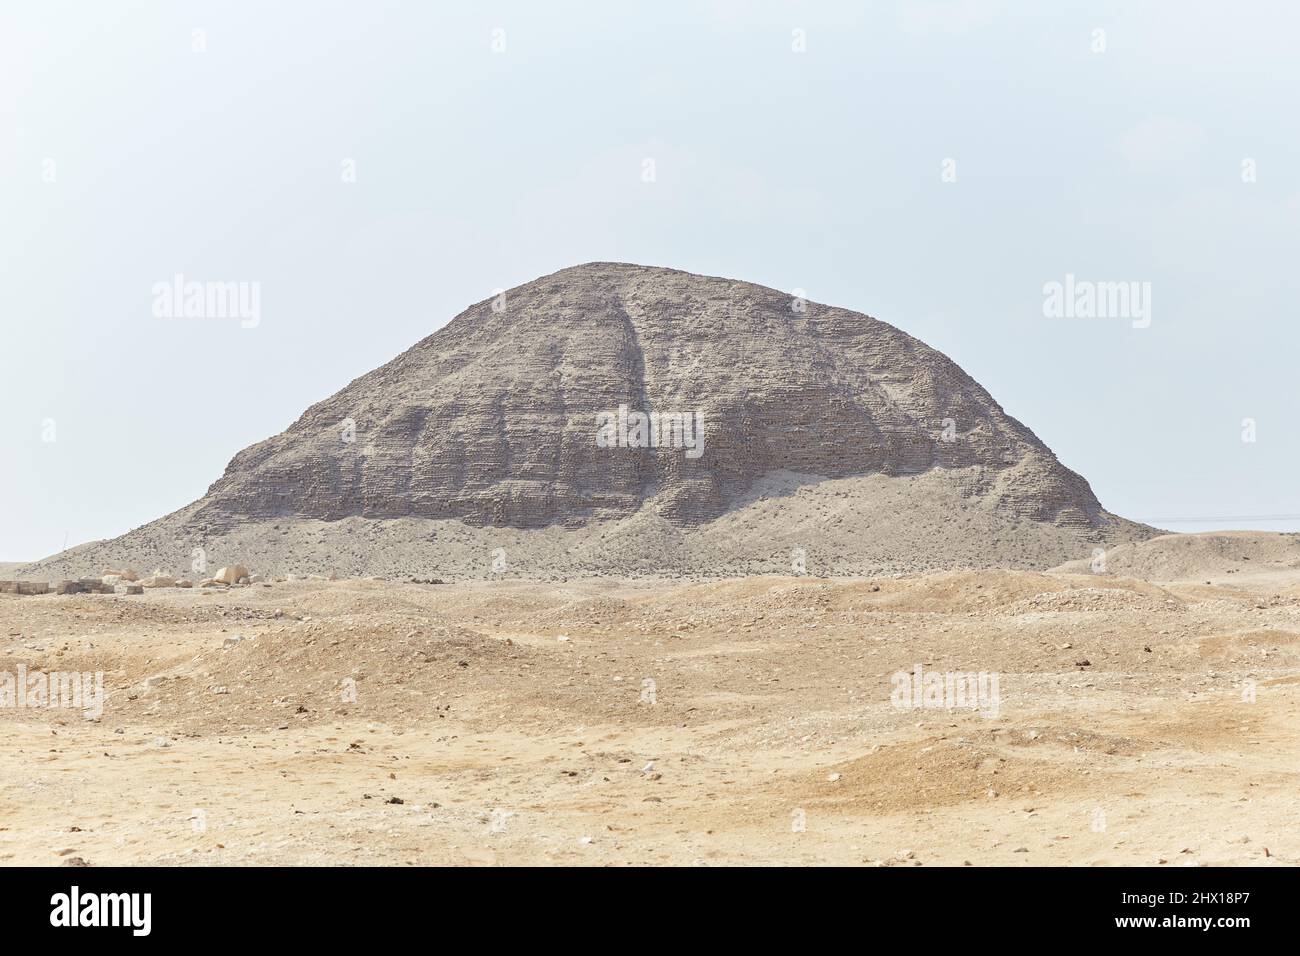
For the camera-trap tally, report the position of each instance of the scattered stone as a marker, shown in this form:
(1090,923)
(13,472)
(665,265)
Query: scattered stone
(231,574)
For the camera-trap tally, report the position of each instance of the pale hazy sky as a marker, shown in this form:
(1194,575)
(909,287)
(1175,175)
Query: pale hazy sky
(127,156)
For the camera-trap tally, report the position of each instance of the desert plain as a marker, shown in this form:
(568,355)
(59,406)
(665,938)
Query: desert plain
(682,722)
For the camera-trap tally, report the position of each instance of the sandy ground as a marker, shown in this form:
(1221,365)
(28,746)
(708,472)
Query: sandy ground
(368,722)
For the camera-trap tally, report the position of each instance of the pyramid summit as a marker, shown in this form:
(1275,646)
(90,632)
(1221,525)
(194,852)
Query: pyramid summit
(711,425)
(495,418)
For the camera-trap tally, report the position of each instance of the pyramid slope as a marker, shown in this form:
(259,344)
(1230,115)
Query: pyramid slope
(491,426)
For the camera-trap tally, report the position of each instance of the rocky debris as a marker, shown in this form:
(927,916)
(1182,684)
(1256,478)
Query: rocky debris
(232,574)
(83,586)
(158,580)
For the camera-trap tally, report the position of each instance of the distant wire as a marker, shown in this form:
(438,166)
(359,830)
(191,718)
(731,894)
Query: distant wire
(1232,518)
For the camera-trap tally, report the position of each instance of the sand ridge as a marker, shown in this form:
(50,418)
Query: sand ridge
(512,722)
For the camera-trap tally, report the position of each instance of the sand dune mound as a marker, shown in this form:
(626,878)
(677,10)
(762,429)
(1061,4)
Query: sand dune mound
(1209,555)
(392,668)
(1098,599)
(728,721)
(1261,646)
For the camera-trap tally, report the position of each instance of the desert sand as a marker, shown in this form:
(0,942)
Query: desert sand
(614,722)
